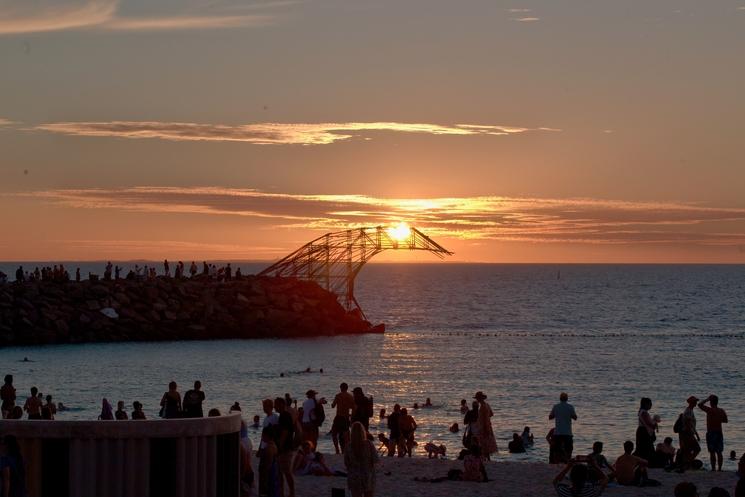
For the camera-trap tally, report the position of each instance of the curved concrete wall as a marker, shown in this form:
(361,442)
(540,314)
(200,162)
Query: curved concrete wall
(148,458)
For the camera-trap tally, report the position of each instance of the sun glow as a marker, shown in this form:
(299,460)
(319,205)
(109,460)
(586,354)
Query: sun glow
(400,232)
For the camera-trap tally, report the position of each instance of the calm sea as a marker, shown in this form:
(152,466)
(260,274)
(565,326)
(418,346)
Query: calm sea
(606,334)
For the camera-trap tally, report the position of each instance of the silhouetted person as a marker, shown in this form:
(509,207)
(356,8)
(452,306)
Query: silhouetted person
(715,416)
(563,413)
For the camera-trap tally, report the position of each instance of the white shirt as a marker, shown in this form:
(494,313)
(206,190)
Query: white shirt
(308,406)
(270,420)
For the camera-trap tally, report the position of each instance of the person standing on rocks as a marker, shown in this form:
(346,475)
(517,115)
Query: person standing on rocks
(193,269)
(193,401)
(167,268)
(563,413)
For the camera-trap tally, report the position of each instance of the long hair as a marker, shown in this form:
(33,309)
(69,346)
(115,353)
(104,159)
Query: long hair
(358,439)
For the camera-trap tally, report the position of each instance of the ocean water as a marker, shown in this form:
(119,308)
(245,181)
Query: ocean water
(606,334)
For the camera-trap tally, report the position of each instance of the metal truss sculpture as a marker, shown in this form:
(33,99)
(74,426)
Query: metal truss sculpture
(334,259)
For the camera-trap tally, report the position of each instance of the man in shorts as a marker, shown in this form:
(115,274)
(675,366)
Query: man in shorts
(344,403)
(715,416)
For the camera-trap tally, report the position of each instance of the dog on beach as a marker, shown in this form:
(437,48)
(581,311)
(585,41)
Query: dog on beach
(435,451)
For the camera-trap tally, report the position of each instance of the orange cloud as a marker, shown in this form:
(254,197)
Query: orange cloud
(539,220)
(269,133)
(60,15)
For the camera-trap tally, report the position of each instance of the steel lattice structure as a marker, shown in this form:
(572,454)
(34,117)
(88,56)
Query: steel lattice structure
(334,259)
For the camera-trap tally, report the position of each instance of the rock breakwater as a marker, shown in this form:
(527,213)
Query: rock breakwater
(46,312)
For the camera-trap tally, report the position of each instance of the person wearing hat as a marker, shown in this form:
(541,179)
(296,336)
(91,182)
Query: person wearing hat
(688,436)
(487,441)
(310,427)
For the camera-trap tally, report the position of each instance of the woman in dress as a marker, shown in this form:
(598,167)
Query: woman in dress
(645,432)
(360,457)
(171,402)
(487,442)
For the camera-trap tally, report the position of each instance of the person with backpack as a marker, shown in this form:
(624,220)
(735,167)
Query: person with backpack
(192,403)
(313,417)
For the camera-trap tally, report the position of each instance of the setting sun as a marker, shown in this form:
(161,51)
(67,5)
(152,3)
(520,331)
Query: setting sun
(399,232)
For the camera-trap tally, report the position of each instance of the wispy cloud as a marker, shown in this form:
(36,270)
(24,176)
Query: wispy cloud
(21,17)
(518,11)
(526,19)
(5,122)
(270,133)
(538,220)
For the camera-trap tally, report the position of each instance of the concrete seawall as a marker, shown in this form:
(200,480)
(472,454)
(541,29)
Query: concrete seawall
(45,312)
(173,457)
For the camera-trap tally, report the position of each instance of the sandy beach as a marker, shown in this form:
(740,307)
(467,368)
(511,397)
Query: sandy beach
(508,479)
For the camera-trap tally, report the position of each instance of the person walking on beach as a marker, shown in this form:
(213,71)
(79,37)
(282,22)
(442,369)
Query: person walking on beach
(170,404)
(344,403)
(285,434)
(487,441)
(645,432)
(688,436)
(33,404)
(715,416)
(360,458)
(8,395)
(193,401)
(563,413)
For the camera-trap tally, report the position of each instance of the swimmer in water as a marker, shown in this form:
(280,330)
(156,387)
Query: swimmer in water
(427,403)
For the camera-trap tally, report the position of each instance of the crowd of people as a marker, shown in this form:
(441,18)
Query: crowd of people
(290,432)
(59,273)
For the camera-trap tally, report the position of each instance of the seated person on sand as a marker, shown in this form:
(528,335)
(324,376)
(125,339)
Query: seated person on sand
(516,445)
(664,454)
(579,477)
(600,461)
(434,451)
(632,470)
(309,462)
(527,437)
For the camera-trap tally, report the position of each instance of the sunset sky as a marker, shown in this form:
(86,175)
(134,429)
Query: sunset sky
(509,131)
